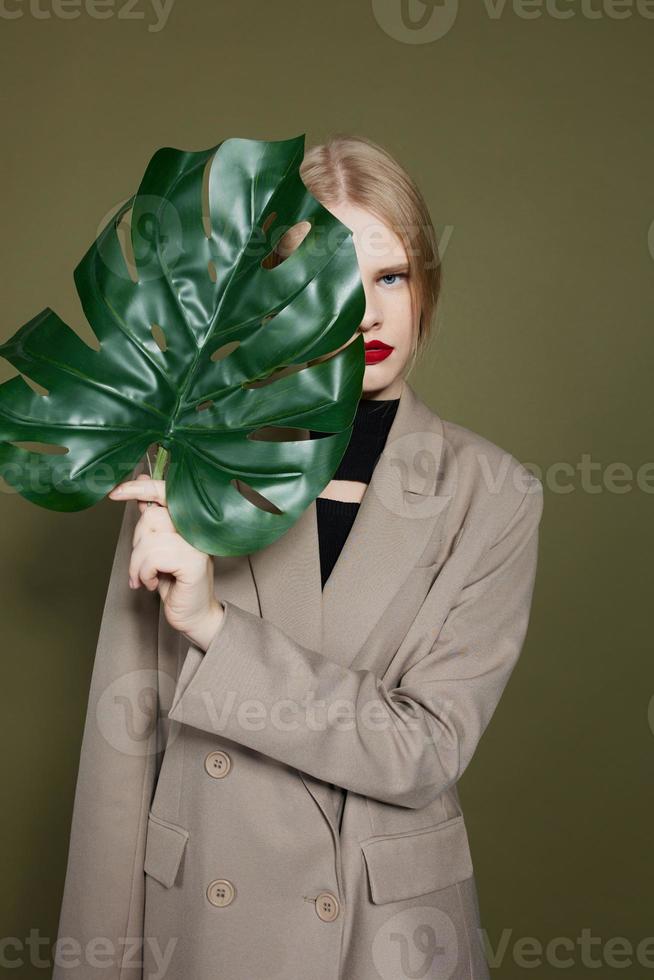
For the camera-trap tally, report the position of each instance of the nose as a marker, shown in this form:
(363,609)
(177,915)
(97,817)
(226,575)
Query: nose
(372,315)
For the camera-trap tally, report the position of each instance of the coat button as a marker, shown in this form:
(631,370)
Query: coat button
(327,906)
(218,764)
(220,892)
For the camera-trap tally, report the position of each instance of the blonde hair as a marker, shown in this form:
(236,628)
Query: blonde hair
(356,170)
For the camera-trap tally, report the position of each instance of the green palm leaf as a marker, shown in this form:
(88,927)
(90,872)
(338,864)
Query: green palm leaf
(200,346)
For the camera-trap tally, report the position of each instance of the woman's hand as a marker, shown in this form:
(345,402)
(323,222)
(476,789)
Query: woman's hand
(162,559)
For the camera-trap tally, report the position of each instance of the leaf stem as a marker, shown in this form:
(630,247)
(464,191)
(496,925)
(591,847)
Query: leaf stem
(159,463)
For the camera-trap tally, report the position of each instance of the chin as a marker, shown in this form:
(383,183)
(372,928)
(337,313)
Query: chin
(378,377)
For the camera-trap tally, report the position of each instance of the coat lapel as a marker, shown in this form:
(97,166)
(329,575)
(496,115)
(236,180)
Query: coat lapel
(287,579)
(395,521)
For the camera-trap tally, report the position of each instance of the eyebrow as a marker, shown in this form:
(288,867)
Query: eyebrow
(398,267)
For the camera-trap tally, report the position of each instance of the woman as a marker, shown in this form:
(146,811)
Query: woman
(268,775)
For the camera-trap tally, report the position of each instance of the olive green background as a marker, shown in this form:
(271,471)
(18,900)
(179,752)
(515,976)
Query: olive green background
(531,140)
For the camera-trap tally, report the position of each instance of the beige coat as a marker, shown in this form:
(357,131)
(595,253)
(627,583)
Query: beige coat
(284,806)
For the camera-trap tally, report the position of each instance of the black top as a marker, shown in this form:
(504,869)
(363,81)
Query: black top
(371,426)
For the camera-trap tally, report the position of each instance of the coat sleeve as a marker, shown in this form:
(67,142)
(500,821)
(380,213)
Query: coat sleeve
(101,916)
(404,745)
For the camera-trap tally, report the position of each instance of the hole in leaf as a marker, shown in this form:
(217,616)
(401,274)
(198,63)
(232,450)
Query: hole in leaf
(267,223)
(276,433)
(159,337)
(46,448)
(255,497)
(213,275)
(287,244)
(224,350)
(326,357)
(85,333)
(37,388)
(275,376)
(124,235)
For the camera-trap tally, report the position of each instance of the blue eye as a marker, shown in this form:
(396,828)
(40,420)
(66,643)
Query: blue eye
(393,275)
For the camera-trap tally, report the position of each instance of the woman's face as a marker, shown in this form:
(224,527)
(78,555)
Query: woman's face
(388,318)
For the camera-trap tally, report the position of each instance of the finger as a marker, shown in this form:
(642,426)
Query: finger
(161,548)
(143,488)
(154,561)
(165,583)
(153,520)
(144,505)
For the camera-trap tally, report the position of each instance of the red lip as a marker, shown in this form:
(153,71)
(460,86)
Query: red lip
(376,351)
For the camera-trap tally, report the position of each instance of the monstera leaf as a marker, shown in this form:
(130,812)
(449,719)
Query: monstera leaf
(205,348)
